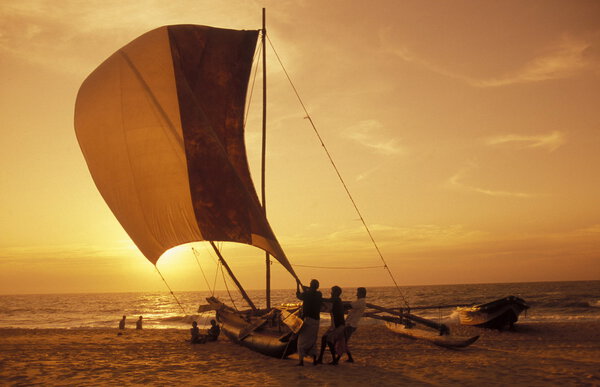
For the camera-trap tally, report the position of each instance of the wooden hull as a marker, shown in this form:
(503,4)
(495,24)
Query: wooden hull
(270,341)
(448,341)
(497,314)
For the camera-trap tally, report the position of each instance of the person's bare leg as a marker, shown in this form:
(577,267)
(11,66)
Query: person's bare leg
(350,359)
(323,344)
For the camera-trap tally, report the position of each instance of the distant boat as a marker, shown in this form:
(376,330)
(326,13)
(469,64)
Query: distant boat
(498,314)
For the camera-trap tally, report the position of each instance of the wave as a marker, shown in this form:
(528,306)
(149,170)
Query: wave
(182,319)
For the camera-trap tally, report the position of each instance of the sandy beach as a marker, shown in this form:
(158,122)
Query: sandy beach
(536,354)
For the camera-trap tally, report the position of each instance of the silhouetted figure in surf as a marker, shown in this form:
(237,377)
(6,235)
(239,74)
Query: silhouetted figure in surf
(311,314)
(122,323)
(334,338)
(212,335)
(195,333)
(213,332)
(138,323)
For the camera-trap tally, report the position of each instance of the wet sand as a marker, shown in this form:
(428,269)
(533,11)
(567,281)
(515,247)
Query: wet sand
(535,354)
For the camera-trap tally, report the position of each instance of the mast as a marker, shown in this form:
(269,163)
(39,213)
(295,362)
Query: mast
(237,283)
(264,148)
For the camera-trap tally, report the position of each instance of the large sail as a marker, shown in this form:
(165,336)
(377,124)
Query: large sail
(160,124)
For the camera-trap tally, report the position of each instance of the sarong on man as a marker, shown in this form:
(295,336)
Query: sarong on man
(307,337)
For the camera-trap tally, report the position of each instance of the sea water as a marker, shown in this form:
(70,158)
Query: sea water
(549,301)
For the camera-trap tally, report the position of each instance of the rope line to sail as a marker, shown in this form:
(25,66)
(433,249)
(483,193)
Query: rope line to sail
(200,266)
(339,175)
(168,287)
(257,54)
(227,287)
(215,281)
(341,267)
(218,264)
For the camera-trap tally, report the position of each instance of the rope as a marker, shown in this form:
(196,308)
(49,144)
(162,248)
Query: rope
(340,267)
(168,287)
(227,287)
(339,176)
(200,266)
(257,54)
(215,281)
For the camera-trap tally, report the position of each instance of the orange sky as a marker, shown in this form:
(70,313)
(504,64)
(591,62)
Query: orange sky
(468,132)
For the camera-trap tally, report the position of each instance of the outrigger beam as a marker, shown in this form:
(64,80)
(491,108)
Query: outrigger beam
(432,324)
(237,283)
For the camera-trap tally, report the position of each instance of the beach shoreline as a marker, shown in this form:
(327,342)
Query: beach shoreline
(535,354)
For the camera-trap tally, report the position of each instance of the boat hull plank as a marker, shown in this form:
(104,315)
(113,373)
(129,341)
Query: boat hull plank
(270,342)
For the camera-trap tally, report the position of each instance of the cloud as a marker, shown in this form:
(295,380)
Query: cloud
(456,182)
(550,141)
(562,59)
(119,249)
(367,133)
(74,37)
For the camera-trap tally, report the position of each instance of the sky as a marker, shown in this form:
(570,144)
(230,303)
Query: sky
(468,133)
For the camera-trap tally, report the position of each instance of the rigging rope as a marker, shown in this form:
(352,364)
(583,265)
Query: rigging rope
(257,54)
(216,276)
(339,175)
(339,267)
(227,287)
(168,287)
(200,266)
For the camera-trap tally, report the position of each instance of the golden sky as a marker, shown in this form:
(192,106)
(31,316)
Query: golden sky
(467,131)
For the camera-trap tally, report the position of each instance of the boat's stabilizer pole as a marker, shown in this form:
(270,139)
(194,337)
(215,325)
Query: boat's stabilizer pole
(409,316)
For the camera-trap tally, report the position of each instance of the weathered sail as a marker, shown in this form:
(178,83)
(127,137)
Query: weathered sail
(160,124)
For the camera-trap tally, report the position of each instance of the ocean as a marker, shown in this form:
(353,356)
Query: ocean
(549,301)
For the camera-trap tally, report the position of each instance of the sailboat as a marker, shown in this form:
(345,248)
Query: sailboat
(161,126)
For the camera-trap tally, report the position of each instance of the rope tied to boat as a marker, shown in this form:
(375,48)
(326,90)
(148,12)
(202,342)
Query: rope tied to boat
(308,116)
(168,287)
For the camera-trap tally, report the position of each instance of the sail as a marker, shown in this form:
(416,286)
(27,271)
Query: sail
(160,124)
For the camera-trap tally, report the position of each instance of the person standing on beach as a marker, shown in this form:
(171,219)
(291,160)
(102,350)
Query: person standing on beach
(334,338)
(122,323)
(138,323)
(357,309)
(311,314)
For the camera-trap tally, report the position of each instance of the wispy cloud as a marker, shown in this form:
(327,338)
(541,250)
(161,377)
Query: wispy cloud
(123,248)
(550,141)
(456,181)
(368,134)
(72,38)
(562,59)
(353,241)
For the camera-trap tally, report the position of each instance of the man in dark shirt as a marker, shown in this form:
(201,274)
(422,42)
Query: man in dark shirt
(311,314)
(334,337)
